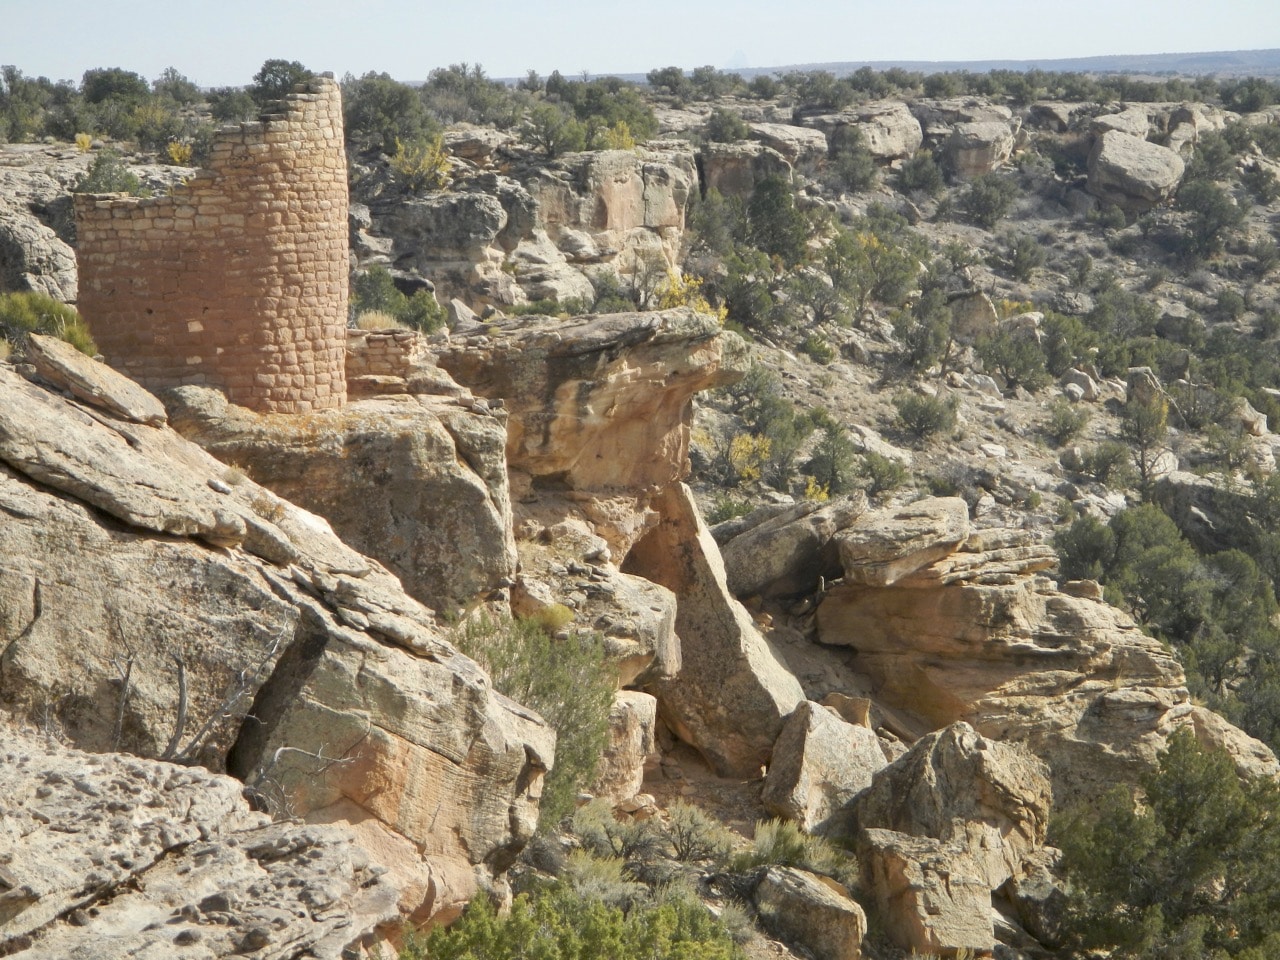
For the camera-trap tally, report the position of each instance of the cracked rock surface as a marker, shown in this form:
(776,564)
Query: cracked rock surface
(106,855)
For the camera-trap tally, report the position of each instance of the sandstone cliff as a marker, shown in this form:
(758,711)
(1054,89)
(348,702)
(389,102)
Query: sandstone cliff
(158,602)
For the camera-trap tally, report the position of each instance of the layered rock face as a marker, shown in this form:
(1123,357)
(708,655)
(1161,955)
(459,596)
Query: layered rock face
(954,624)
(598,440)
(158,602)
(542,231)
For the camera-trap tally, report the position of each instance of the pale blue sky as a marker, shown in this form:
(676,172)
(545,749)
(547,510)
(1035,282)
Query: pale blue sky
(217,42)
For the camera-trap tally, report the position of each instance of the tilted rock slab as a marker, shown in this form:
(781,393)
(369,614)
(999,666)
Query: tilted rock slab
(156,601)
(112,856)
(732,693)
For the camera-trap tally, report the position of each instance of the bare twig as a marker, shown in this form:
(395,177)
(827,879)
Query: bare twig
(241,687)
(118,730)
(181,723)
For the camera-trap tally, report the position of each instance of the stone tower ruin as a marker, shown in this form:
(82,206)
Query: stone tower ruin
(238,278)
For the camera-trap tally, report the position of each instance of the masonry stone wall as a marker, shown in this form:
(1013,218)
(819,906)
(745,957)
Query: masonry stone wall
(238,278)
(384,353)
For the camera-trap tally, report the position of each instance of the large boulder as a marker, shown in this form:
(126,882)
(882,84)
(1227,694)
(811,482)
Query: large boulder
(734,169)
(804,148)
(34,258)
(633,722)
(1131,120)
(978,147)
(113,856)
(820,763)
(990,799)
(787,553)
(155,600)
(889,129)
(929,901)
(883,546)
(1131,173)
(811,911)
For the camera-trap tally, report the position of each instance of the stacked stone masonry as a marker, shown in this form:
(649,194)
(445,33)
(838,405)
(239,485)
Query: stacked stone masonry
(238,278)
(384,353)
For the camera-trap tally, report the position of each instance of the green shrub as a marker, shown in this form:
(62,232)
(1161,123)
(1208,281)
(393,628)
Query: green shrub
(922,416)
(108,174)
(851,166)
(726,508)
(1213,214)
(775,224)
(1108,463)
(605,835)
(567,681)
(1262,183)
(921,173)
(1022,255)
(782,843)
(1017,357)
(1066,422)
(725,126)
(421,165)
(988,199)
(817,349)
(559,923)
(692,836)
(375,291)
(1189,871)
(275,79)
(22,314)
(881,474)
(832,464)
(552,129)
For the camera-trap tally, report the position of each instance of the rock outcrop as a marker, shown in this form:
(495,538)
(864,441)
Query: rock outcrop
(975,634)
(942,828)
(156,601)
(417,481)
(598,407)
(1131,173)
(541,231)
(113,856)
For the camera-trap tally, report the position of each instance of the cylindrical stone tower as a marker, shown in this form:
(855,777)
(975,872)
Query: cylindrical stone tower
(238,278)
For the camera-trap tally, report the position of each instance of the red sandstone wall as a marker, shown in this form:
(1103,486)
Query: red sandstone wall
(238,279)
